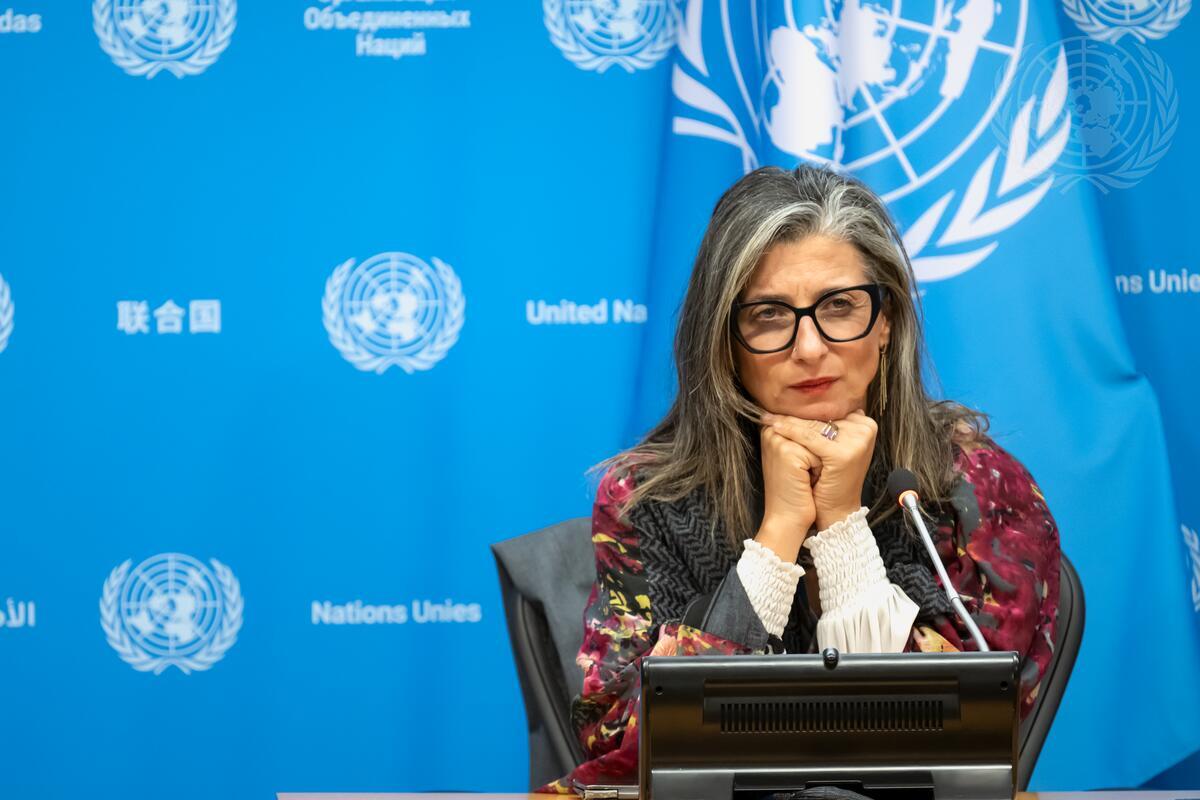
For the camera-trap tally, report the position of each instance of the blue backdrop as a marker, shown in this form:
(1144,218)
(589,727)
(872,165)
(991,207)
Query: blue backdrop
(301,306)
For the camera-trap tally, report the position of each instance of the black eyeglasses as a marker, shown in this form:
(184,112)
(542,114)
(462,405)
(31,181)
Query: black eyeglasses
(843,315)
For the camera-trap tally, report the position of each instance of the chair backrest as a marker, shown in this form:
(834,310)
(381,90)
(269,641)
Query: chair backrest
(1067,636)
(545,579)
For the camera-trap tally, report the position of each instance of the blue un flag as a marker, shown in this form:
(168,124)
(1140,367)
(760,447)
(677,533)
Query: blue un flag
(993,131)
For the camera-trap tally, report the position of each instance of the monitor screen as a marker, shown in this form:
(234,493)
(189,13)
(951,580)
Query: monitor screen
(911,725)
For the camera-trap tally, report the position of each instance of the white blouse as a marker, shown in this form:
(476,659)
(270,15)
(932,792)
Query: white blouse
(861,612)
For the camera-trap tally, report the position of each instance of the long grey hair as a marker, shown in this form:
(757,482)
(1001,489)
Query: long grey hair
(709,439)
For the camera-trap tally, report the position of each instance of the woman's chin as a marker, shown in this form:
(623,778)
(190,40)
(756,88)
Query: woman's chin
(822,409)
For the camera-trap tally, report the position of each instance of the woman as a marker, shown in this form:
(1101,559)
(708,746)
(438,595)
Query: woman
(754,517)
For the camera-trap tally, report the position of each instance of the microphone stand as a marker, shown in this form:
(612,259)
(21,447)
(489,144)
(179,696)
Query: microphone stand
(908,500)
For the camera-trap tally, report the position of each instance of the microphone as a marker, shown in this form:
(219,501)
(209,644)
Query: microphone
(902,487)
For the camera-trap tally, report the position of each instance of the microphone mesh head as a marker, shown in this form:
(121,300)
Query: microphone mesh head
(899,482)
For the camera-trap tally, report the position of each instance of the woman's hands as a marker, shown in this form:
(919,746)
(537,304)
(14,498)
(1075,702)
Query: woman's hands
(789,509)
(808,478)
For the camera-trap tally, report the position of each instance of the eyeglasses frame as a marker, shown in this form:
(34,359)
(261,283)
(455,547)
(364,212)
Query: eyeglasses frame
(875,291)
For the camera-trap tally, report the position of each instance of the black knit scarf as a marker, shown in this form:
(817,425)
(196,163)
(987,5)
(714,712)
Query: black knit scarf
(685,553)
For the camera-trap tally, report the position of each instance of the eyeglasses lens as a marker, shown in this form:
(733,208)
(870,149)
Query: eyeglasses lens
(840,317)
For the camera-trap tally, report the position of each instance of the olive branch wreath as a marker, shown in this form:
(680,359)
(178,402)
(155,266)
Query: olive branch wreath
(1165,110)
(576,52)
(134,64)
(360,357)
(981,214)
(1081,13)
(119,640)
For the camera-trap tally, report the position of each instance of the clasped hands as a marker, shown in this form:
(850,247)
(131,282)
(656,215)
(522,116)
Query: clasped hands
(809,479)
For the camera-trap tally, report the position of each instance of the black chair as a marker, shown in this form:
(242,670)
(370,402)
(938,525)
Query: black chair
(1067,636)
(545,578)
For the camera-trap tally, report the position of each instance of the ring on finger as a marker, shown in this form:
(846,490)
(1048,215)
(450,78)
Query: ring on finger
(830,431)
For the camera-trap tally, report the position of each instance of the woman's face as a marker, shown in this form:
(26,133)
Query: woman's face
(815,378)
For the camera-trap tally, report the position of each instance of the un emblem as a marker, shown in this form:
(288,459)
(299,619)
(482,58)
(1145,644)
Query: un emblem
(896,95)
(597,34)
(901,92)
(183,37)
(6,314)
(1109,20)
(393,309)
(1124,110)
(171,611)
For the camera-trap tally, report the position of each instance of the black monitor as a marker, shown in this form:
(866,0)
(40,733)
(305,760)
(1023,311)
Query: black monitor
(888,726)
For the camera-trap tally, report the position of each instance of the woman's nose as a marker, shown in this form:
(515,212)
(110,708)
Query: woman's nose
(809,344)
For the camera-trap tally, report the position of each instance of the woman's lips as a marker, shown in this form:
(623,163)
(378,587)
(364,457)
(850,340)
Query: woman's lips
(815,386)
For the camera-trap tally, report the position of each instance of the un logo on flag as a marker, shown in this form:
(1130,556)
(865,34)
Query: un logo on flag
(183,37)
(596,34)
(393,309)
(1109,20)
(1124,110)
(6,314)
(864,85)
(171,611)
(896,95)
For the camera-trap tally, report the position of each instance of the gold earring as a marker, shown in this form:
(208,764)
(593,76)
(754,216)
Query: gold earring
(883,382)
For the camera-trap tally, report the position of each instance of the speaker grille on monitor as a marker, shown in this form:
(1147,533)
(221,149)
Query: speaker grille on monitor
(833,715)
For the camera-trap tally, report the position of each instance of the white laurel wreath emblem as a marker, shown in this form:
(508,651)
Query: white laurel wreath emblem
(1155,144)
(6,313)
(584,58)
(1192,541)
(981,214)
(1083,14)
(139,659)
(426,357)
(134,64)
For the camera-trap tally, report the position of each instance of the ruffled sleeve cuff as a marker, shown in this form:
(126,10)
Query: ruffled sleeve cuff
(770,583)
(861,612)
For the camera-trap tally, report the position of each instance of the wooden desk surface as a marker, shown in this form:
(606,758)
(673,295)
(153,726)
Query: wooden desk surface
(1180,795)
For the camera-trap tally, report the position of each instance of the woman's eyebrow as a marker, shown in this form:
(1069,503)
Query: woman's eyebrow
(764,297)
(837,288)
(760,297)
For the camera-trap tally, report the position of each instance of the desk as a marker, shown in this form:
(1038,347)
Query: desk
(1191,795)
